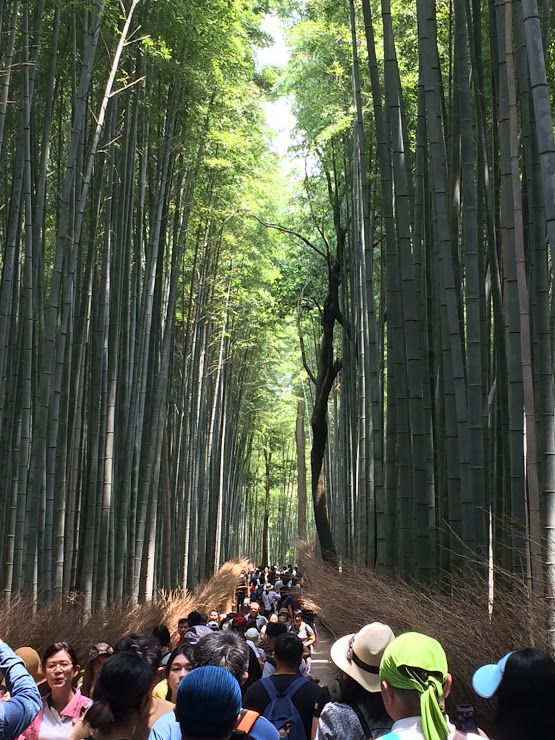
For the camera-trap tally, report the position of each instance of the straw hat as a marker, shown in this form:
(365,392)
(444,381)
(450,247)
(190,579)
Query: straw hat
(359,655)
(32,662)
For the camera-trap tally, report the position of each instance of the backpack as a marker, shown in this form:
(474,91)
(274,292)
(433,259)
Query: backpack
(245,724)
(281,711)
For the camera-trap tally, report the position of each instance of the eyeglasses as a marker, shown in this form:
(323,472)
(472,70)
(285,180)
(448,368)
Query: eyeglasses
(63,664)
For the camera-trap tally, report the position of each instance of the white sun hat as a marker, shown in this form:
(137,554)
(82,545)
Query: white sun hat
(359,654)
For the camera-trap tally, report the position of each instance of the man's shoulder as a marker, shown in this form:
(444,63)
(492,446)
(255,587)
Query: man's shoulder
(255,692)
(311,687)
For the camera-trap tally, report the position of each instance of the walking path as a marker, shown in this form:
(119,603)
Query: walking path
(322,666)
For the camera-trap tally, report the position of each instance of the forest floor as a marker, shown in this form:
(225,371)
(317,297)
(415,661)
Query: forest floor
(322,666)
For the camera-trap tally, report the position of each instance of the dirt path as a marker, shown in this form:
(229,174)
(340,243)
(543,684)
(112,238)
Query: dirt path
(322,666)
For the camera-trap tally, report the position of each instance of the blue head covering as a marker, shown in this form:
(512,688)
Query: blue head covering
(208,695)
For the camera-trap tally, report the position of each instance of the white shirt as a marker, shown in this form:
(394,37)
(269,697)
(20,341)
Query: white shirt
(269,597)
(53,725)
(410,728)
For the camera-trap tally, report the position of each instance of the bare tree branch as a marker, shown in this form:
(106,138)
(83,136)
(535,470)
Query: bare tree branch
(292,232)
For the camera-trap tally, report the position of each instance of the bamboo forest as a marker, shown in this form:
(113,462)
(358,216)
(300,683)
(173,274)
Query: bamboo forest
(275,271)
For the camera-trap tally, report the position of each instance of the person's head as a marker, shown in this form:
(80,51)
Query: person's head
(273,617)
(98,655)
(33,663)
(272,631)
(414,680)
(224,649)
(145,646)
(60,666)
(288,651)
(239,624)
(208,703)
(193,635)
(358,655)
(122,689)
(162,634)
(283,615)
(254,609)
(196,618)
(182,626)
(253,635)
(523,682)
(213,615)
(297,618)
(178,665)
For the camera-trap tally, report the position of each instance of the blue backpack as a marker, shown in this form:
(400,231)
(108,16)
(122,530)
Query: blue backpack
(281,711)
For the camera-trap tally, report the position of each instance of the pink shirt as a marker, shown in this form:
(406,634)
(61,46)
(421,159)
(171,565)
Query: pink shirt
(74,709)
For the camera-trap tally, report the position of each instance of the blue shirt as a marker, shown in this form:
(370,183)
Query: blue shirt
(167,727)
(17,713)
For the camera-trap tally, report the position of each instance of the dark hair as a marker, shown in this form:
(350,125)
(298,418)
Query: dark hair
(122,684)
(182,621)
(225,649)
(273,629)
(288,649)
(181,649)
(55,648)
(146,646)
(355,695)
(196,618)
(162,633)
(525,696)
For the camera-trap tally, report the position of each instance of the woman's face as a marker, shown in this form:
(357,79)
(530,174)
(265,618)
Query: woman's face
(298,620)
(60,671)
(180,667)
(273,618)
(97,664)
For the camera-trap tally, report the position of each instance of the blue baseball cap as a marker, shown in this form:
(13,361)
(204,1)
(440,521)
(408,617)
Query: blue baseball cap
(208,695)
(486,679)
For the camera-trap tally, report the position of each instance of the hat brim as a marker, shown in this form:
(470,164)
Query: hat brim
(338,652)
(486,680)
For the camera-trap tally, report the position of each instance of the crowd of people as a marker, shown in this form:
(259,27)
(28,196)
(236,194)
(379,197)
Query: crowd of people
(248,673)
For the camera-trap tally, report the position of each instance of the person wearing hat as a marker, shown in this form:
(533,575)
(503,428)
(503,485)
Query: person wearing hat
(32,662)
(208,704)
(148,649)
(414,683)
(252,636)
(17,712)
(98,655)
(239,626)
(63,705)
(360,711)
(226,650)
(523,682)
(270,599)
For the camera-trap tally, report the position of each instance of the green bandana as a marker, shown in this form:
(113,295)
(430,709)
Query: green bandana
(415,661)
